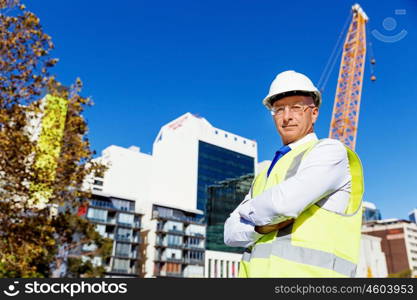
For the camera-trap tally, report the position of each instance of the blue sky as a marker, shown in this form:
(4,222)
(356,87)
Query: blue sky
(145,63)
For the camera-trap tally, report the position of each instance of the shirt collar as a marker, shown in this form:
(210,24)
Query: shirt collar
(308,138)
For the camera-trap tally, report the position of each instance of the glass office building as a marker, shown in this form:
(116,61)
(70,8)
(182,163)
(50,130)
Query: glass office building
(224,178)
(222,200)
(216,164)
(413,216)
(370,212)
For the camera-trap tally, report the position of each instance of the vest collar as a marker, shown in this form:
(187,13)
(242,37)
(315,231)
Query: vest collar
(309,137)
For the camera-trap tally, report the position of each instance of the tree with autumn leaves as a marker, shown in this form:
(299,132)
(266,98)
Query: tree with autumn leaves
(45,157)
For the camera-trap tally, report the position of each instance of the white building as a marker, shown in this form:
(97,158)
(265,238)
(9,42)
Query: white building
(176,157)
(128,174)
(189,155)
(372,261)
(220,264)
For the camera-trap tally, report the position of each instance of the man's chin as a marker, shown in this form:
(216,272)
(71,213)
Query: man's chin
(288,138)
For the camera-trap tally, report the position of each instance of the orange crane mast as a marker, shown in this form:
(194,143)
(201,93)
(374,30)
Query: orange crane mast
(344,123)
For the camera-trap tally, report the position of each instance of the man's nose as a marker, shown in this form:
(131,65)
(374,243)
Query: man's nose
(286,115)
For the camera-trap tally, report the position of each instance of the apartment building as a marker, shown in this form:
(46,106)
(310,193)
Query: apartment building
(179,242)
(117,219)
(398,241)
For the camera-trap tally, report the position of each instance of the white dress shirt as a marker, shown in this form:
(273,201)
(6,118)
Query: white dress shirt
(323,178)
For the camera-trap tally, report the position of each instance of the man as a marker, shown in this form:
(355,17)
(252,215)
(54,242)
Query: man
(302,216)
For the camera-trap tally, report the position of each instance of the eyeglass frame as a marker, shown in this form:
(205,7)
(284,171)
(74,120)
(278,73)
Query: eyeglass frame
(274,112)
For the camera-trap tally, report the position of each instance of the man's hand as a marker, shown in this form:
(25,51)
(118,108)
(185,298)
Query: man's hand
(269,228)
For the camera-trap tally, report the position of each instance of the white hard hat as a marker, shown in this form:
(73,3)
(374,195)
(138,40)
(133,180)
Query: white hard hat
(291,81)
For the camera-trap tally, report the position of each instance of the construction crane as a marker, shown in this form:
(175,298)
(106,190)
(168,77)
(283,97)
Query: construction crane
(344,123)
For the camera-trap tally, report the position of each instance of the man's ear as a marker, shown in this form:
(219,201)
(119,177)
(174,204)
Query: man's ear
(315,115)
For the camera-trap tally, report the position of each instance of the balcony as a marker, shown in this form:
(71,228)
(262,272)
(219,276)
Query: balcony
(99,220)
(111,206)
(169,274)
(194,247)
(176,231)
(130,271)
(102,204)
(175,245)
(111,221)
(170,231)
(122,254)
(187,220)
(195,234)
(132,255)
(129,239)
(124,224)
(130,225)
(123,238)
(193,261)
(169,259)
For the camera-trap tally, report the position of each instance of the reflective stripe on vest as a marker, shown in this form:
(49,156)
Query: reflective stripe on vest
(283,248)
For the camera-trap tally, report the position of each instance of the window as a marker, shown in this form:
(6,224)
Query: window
(124,234)
(215,268)
(98,182)
(125,218)
(123,204)
(209,268)
(123,249)
(97,214)
(121,265)
(221,269)
(173,240)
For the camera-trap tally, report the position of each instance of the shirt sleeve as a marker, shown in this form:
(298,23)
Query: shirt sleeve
(321,173)
(239,232)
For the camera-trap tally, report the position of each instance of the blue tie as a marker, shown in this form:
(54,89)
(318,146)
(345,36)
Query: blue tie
(280,153)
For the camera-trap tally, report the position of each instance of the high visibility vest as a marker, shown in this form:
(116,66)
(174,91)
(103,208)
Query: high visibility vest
(320,243)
